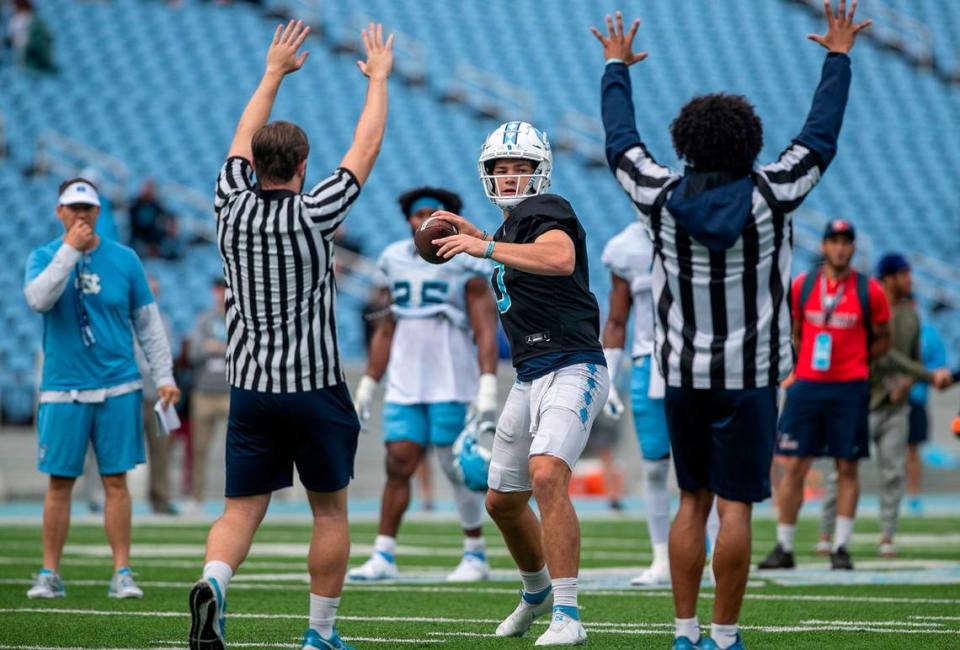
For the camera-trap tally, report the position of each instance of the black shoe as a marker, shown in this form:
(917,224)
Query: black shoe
(778,559)
(840,559)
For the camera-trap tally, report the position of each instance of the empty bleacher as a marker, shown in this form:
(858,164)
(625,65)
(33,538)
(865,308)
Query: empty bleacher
(161,88)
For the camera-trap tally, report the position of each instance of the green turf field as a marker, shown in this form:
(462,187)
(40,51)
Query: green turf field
(268,600)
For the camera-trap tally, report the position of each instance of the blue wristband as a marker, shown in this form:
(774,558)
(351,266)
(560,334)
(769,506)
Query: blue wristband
(489,252)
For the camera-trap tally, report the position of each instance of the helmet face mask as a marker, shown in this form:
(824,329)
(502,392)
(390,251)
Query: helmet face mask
(512,141)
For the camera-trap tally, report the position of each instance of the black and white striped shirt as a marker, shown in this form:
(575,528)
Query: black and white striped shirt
(723,246)
(277,253)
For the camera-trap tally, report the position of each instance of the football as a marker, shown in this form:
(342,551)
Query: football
(429,230)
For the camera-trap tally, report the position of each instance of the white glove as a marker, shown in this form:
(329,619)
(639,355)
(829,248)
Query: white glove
(363,399)
(613,357)
(614,407)
(485,406)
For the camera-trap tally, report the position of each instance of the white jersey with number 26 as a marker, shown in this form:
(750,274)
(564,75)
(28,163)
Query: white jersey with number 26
(433,357)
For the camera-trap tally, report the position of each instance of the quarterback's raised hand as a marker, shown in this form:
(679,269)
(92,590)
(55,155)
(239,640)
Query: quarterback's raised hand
(379,53)
(282,55)
(618,44)
(841,30)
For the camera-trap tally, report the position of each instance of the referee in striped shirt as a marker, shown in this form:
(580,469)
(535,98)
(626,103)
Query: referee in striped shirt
(289,404)
(722,234)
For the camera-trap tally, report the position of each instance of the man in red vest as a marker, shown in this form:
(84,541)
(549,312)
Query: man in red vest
(841,320)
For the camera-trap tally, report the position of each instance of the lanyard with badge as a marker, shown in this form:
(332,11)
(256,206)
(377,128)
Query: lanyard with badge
(86,331)
(823,342)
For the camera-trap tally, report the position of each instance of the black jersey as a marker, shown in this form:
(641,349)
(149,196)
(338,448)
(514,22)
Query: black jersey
(544,314)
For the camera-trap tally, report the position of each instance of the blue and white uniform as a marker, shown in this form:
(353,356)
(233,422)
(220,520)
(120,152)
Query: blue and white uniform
(629,255)
(432,373)
(93,304)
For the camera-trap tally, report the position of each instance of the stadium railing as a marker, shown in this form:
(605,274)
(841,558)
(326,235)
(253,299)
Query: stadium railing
(488,94)
(61,156)
(899,32)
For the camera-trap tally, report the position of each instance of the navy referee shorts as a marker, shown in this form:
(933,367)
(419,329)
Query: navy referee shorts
(722,440)
(269,433)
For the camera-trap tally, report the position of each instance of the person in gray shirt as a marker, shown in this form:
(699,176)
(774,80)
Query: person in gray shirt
(210,401)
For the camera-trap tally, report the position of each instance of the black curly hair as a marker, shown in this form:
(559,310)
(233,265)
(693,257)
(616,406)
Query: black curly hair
(450,200)
(718,133)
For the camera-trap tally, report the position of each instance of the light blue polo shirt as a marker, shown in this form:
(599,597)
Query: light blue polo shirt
(114,288)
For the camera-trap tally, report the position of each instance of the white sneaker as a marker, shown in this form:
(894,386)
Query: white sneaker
(47,584)
(471,569)
(377,567)
(122,585)
(563,630)
(523,616)
(657,574)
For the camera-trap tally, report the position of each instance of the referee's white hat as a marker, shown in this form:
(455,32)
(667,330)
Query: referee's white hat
(79,192)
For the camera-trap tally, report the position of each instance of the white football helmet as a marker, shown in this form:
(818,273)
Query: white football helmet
(516,140)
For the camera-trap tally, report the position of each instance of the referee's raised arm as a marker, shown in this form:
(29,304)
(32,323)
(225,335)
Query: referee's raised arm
(368,135)
(282,59)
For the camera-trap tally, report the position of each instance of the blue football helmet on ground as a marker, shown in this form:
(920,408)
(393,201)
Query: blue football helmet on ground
(472,451)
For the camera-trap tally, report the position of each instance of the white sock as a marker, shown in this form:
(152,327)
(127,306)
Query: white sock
(536,581)
(219,571)
(385,544)
(844,530)
(564,592)
(475,546)
(724,635)
(657,499)
(323,614)
(785,536)
(687,627)
(661,555)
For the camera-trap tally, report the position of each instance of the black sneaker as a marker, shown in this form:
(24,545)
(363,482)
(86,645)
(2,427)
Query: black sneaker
(778,559)
(840,559)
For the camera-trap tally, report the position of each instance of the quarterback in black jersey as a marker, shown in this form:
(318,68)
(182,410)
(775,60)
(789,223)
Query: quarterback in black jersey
(541,283)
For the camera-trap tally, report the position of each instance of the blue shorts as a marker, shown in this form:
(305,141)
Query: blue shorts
(269,433)
(114,427)
(919,424)
(649,418)
(826,419)
(723,440)
(438,423)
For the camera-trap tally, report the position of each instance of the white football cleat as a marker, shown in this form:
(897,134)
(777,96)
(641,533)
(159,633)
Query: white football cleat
(563,630)
(657,574)
(378,567)
(471,569)
(523,616)
(823,548)
(47,584)
(122,585)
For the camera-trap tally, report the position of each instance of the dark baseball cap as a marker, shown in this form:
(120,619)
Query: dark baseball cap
(839,227)
(891,264)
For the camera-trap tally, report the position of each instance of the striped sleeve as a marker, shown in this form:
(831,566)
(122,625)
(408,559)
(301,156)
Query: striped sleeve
(793,175)
(637,172)
(327,203)
(236,176)
(801,166)
(642,177)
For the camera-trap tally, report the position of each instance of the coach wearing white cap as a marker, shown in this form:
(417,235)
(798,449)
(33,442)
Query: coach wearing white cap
(94,297)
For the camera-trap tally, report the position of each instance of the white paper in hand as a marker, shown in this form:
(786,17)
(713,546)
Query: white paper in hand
(167,418)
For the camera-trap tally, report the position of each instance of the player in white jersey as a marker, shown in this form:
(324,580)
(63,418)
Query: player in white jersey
(439,336)
(629,257)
